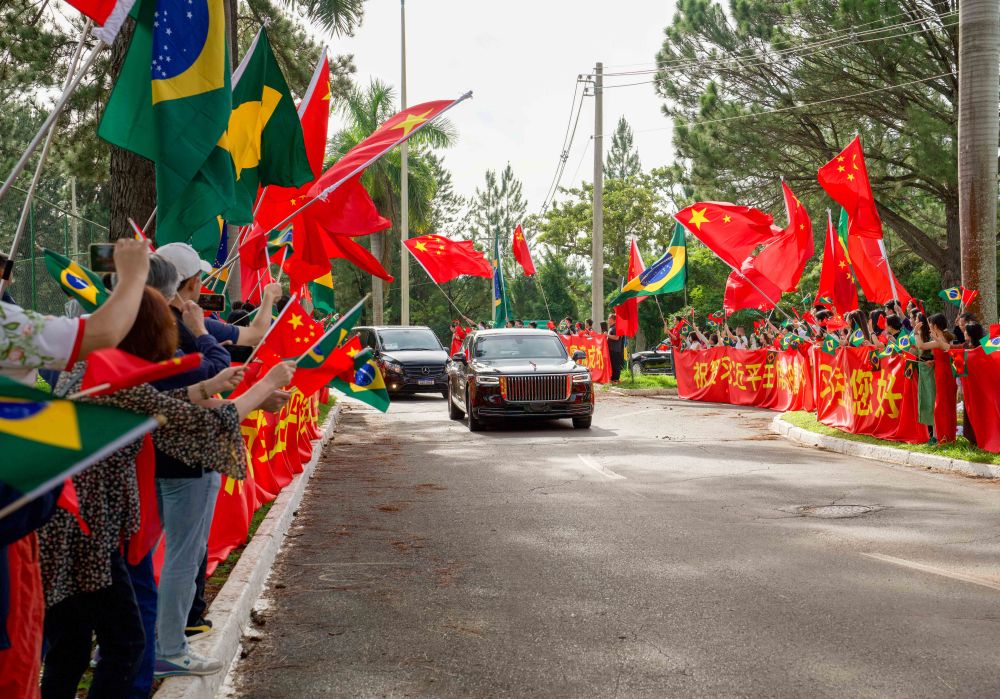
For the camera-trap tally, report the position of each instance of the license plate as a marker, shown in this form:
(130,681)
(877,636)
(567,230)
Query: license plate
(425,382)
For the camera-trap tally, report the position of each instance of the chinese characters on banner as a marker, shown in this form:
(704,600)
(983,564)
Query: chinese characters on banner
(596,346)
(779,380)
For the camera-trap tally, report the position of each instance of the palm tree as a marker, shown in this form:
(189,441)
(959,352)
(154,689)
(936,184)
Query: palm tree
(365,109)
(979,56)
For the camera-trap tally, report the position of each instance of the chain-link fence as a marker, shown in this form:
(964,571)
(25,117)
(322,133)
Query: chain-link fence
(51,224)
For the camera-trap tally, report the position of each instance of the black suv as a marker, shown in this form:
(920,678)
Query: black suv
(411,357)
(515,373)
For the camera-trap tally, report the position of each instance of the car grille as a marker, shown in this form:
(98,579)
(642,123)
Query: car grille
(543,387)
(423,371)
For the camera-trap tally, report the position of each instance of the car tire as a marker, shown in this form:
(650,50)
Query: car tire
(637,368)
(454,412)
(445,394)
(475,424)
(582,423)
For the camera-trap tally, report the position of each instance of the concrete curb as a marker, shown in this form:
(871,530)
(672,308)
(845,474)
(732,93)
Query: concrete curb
(230,610)
(642,391)
(880,453)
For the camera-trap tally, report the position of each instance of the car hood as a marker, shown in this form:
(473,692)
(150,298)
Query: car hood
(417,356)
(541,366)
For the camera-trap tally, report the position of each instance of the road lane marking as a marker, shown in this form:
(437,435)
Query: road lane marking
(923,567)
(590,462)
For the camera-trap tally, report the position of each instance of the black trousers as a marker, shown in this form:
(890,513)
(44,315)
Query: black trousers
(113,615)
(617,362)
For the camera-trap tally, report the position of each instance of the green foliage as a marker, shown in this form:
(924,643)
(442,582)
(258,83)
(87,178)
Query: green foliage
(623,159)
(497,208)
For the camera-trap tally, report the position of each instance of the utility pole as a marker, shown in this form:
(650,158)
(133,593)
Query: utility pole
(74,222)
(597,249)
(404,189)
(978,128)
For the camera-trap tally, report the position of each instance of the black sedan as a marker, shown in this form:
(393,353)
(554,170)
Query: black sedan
(411,358)
(523,374)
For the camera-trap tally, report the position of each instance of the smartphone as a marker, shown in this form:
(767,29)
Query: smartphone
(102,257)
(212,302)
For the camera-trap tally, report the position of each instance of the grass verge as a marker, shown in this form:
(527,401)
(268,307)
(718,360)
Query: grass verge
(959,449)
(639,381)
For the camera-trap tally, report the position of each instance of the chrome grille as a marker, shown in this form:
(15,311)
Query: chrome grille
(423,371)
(540,387)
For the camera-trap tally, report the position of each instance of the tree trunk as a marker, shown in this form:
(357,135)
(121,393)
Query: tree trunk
(951,270)
(978,136)
(132,186)
(378,291)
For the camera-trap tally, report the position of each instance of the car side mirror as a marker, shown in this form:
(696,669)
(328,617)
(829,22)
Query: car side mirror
(459,357)
(579,356)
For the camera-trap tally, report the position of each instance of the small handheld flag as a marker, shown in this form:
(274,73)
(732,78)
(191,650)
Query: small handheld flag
(952,295)
(990,344)
(76,281)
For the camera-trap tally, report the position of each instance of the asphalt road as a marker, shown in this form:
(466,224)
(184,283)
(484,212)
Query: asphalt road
(663,553)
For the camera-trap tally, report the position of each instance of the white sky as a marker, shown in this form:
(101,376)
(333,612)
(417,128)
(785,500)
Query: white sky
(521,63)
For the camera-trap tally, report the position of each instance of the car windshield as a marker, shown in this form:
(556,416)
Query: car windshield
(403,339)
(499,347)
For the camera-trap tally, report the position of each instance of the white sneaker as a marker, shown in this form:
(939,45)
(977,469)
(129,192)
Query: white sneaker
(189,663)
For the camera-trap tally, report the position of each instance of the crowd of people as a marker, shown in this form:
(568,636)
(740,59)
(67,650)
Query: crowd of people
(887,329)
(66,578)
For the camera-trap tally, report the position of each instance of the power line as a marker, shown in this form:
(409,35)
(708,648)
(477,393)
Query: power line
(849,32)
(568,140)
(807,104)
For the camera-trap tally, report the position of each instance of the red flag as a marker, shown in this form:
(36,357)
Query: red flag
(872,269)
(845,179)
(150,528)
(107,14)
(968,296)
(340,362)
(627,314)
(445,259)
(68,500)
(836,281)
(457,337)
(252,281)
(783,259)
(290,336)
(114,369)
(748,288)
(521,252)
(730,231)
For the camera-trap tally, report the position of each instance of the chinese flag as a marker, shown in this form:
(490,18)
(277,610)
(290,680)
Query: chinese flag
(120,370)
(845,179)
(445,259)
(339,362)
(784,259)
(521,252)
(873,271)
(836,281)
(314,249)
(730,231)
(748,288)
(107,14)
(291,335)
(627,314)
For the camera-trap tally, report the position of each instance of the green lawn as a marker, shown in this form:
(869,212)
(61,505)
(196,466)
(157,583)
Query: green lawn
(630,382)
(960,449)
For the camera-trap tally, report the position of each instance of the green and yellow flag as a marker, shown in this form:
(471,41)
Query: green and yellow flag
(45,440)
(368,385)
(323,297)
(666,275)
(77,281)
(264,135)
(171,104)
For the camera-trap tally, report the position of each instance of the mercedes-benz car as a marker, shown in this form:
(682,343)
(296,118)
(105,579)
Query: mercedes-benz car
(523,374)
(411,358)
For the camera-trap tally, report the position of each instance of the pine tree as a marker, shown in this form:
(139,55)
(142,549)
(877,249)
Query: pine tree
(623,158)
(498,208)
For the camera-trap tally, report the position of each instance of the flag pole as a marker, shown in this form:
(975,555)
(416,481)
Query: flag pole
(888,269)
(326,192)
(333,327)
(448,298)
(49,137)
(270,328)
(53,115)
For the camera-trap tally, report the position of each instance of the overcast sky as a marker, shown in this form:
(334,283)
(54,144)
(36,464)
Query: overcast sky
(521,63)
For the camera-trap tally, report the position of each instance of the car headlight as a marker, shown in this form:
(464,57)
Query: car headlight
(581,378)
(488,380)
(393,366)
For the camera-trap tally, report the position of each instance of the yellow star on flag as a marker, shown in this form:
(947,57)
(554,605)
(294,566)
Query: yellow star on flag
(412,121)
(727,218)
(295,321)
(840,168)
(421,246)
(352,352)
(698,217)
(850,177)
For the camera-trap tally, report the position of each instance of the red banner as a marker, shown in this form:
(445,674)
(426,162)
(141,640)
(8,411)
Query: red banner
(857,391)
(598,358)
(765,378)
(979,390)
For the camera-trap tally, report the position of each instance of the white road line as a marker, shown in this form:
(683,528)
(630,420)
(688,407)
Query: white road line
(590,462)
(923,567)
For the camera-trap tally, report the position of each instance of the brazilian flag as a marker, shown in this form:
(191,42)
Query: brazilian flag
(264,135)
(277,242)
(171,104)
(342,328)
(667,274)
(857,337)
(77,281)
(830,344)
(904,343)
(952,295)
(324,300)
(368,385)
(501,304)
(990,344)
(45,441)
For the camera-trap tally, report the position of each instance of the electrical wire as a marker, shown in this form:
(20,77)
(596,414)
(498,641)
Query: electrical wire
(568,140)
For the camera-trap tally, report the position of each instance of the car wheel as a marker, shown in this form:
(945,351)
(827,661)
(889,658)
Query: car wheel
(637,368)
(475,424)
(445,394)
(582,423)
(454,412)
